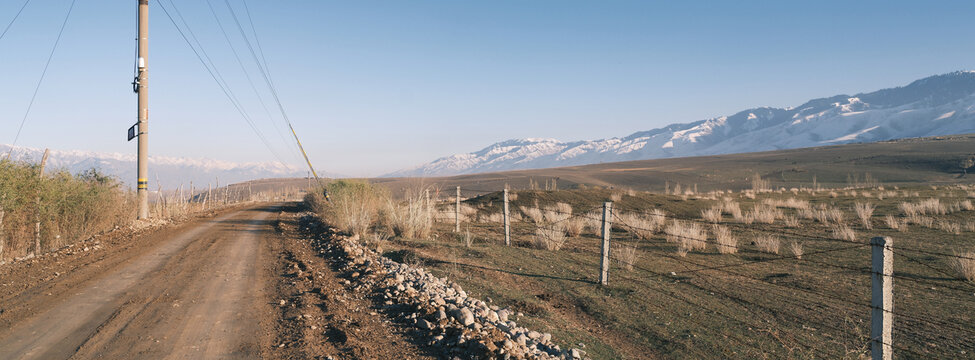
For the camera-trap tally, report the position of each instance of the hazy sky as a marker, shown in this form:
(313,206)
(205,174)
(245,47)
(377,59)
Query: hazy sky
(375,86)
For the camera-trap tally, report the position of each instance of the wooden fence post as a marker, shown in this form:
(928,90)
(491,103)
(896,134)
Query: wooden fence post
(507,221)
(882,301)
(457,213)
(37,212)
(604,260)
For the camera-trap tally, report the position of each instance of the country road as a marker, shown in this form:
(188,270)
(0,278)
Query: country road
(210,288)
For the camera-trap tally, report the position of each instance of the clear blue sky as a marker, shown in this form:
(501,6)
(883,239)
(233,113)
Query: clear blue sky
(374,86)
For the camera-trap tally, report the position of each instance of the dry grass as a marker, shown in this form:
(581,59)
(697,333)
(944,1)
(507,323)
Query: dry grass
(791,203)
(865,212)
(575,226)
(412,218)
(732,208)
(495,218)
(896,224)
(643,226)
(823,214)
(949,226)
(557,213)
(533,213)
(964,264)
(923,221)
(932,206)
(796,248)
(966,205)
(843,232)
(712,215)
(791,221)
(690,236)
(467,238)
(764,214)
(626,255)
(725,240)
(616,197)
(594,222)
(550,238)
(768,243)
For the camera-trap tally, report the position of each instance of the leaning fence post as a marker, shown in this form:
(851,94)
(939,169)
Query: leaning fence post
(604,261)
(882,301)
(457,212)
(507,222)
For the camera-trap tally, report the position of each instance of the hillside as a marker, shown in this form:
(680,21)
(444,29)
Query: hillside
(937,105)
(930,160)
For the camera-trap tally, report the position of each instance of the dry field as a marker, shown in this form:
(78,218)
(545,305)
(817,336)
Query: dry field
(744,274)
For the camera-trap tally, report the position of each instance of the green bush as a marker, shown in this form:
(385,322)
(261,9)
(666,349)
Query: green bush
(70,207)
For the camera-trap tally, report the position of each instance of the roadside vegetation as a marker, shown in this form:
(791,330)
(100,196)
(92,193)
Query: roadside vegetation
(68,208)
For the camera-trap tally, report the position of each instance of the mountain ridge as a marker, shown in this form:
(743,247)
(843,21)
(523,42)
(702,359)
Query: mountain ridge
(170,171)
(936,105)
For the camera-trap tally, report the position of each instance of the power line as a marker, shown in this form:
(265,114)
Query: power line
(248,76)
(270,85)
(223,87)
(43,74)
(14,19)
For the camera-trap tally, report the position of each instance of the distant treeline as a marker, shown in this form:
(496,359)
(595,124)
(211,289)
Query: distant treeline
(68,207)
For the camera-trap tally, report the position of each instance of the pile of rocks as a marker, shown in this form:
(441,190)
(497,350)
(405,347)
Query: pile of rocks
(459,324)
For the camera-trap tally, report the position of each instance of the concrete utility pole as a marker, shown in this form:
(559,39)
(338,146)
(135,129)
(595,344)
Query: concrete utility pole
(142,85)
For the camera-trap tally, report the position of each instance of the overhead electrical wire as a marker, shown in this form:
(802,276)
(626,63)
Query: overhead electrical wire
(274,92)
(214,73)
(243,68)
(43,74)
(17,15)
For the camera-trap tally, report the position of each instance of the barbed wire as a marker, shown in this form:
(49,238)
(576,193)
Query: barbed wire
(779,313)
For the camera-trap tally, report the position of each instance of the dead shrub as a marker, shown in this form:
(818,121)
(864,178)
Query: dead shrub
(796,248)
(550,237)
(767,244)
(843,232)
(896,224)
(411,219)
(575,226)
(949,226)
(557,213)
(865,212)
(643,226)
(626,255)
(725,240)
(691,236)
(712,215)
(964,264)
(791,221)
(533,213)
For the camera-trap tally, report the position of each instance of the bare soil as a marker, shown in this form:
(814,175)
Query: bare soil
(230,285)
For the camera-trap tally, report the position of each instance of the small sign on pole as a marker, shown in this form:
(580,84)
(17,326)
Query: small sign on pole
(132,133)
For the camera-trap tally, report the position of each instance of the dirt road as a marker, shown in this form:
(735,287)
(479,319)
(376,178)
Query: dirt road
(212,288)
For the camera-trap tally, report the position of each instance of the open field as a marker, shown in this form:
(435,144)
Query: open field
(899,162)
(807,299)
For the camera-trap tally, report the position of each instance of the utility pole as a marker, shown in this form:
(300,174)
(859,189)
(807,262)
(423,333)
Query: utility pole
(141,87)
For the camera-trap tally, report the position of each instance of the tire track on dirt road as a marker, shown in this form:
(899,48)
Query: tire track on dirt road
(193,296)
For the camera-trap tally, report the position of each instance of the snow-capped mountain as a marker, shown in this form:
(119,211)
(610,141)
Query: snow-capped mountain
(170,171)
(937,105)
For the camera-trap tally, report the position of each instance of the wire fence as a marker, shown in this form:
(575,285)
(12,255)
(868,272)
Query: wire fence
(816,300)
